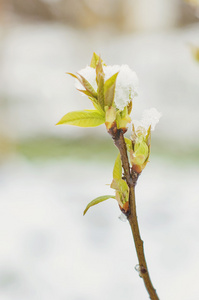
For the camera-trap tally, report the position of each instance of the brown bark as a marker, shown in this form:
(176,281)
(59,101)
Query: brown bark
(131,178)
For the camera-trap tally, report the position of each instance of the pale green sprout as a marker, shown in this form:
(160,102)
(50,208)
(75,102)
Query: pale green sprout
(111,90)
(141,143)
(120,186)
(141,139)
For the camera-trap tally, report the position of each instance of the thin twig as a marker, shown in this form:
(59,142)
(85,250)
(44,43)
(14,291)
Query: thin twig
(118,138)
(131,179)
(143,270)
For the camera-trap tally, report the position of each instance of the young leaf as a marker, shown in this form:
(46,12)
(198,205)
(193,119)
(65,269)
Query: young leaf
(98,200)
(85,92)
(110,116)
(128,144)
(73,75)
(140,154)
(117,170)
(100,82)
(100,90)
(87,86)
(83,118)
(94,60)
(148,140)
(122,122)
(148,136)
(119,184)
(96,105)
(89,89)
(93,100)
(129,107)
(122,190)
(109,90)
(99,68)
(124,112)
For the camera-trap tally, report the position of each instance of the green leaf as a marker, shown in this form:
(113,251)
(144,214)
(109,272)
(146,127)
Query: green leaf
(141,152)
(85,92)
(99,68)
(89,89)
(83,118)
(128,144)
(93,100)
(109,90)
(94,60)
(100,90)
(148,136)
(100,83)
(98,200)
(129,107)
(123,118)
(110,116)
(73,75)
(124,112)
(117,170)
(148,140)
(122,190)
(87,85)
(97,106)
(119,184)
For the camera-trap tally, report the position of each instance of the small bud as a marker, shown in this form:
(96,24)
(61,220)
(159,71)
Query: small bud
(139,155)
(141,139)
(110,116)
(121,193)
(123,119)
(126,86)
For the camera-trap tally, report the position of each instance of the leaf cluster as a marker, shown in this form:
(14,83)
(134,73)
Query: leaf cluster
(105,110)
(140,152)
(102,99)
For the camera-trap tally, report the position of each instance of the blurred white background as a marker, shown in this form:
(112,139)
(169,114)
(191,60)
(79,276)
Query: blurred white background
(48,174)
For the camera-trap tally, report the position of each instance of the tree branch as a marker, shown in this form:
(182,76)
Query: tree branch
(143,270)
(119,141)
(131,178)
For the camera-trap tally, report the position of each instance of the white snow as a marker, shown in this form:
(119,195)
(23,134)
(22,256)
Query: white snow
(122,217)
(150,117)
(126,82)
(90,75)
(126,87)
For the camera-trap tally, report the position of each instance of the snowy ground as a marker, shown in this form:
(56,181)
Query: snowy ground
(50,251)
